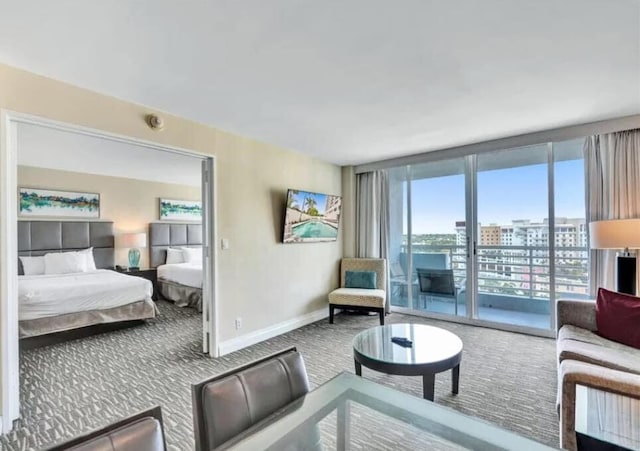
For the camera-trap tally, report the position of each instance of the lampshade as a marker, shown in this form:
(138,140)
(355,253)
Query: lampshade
(132,240)
(615,234)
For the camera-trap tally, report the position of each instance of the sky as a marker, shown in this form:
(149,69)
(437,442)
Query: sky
(503,195)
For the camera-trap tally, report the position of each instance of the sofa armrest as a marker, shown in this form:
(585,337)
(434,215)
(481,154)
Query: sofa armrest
(574,373)
(577,313)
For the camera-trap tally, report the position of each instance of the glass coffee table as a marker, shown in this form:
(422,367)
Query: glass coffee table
(433,351)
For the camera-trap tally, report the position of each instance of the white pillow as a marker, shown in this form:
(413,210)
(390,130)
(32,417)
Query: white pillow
(32,266)
(90,260)
(65,263)
(192,254)
(174,256)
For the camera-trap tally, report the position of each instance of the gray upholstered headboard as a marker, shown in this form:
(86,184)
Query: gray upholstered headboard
(164,235)
(41,237)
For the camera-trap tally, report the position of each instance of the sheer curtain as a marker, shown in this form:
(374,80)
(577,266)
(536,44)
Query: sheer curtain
(372,218)
(612,165)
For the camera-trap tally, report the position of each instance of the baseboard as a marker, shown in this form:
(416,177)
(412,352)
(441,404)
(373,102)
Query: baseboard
(257,336)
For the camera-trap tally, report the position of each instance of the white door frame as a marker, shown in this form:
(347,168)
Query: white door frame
(9,363)
(210,262)
(9,342)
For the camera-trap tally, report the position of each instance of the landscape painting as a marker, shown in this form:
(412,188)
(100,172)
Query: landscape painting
(180,210)
(311,217)
(51,203)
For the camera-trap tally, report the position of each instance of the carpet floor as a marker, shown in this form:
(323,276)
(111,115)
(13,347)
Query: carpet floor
(75,386)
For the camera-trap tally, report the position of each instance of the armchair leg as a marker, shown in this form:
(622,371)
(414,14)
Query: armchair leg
(381,312)
(331,307)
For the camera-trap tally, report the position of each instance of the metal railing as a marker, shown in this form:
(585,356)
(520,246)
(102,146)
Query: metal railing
(521,271)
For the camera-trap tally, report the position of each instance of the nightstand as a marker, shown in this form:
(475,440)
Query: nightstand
(151,274)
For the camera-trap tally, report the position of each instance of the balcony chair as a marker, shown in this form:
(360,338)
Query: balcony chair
(226,405)
(361,299)
(439,283)
(140,432)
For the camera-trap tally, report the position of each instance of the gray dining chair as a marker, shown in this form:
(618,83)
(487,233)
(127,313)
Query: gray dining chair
(230,403)
(140,432)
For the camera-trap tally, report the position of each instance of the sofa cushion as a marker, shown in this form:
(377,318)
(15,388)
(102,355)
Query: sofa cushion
(570,332)
(575,343)
(618,317)
(357,297)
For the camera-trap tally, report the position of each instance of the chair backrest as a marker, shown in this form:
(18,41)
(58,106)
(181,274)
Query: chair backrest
(140,432)
(228,404)
(435,260)
(396,270)
(379,265)
(436,282)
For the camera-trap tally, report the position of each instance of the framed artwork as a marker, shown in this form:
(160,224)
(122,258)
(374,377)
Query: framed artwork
(45,202)
(180,210)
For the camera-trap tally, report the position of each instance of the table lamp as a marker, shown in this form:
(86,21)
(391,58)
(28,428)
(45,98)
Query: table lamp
(619,234)
(133,241)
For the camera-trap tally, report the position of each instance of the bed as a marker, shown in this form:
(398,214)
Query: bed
(49,303)
(178,282)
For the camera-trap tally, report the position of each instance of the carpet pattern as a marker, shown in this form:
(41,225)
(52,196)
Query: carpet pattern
(76,386)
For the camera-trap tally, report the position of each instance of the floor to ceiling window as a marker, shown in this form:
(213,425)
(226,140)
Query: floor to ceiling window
(400,280)
(494,237)
(571,248)
(428,264)
(512,260)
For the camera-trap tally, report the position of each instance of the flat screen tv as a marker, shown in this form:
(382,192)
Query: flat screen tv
(311,217)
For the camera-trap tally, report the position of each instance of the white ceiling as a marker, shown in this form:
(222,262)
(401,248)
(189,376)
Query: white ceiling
(348,82)
(45,147)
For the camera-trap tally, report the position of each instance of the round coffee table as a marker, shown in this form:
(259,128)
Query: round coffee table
(434,350)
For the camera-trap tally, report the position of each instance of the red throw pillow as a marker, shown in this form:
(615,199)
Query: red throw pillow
(618,317)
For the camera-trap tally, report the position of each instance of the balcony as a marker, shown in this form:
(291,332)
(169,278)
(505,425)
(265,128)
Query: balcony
(514,283)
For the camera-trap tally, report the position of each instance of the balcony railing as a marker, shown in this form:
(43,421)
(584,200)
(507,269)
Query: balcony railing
(522,271)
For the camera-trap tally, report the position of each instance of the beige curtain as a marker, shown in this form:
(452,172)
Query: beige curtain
(612,165)
(372,218)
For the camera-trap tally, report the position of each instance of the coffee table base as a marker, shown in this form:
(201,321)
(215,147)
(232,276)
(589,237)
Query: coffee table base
(428,381)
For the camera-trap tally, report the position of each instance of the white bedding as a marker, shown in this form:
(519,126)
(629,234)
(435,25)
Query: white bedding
(44,296)
(188,274)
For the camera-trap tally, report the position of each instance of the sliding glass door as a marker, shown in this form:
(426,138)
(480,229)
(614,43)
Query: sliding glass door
(428,257)
(571,249)
(495,238)
(512,258)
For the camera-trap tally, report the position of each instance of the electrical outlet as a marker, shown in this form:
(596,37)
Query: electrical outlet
(225,244)
(238,323)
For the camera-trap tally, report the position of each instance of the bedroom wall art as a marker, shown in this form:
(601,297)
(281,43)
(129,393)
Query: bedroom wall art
(180,210)
(53,203)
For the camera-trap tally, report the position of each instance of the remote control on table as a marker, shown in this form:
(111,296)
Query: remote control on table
(402,341)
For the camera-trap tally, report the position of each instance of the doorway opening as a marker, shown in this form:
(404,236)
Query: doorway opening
(67,190)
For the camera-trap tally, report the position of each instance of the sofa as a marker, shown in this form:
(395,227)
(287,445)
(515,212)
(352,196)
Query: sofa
(587,359)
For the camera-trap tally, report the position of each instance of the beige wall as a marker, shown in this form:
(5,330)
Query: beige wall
(130,204)
(260,279)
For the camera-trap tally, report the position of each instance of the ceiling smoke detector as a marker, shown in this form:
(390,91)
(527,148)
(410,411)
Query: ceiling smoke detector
(155,122)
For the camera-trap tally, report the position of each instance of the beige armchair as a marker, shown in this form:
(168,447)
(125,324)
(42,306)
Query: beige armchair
(361,298)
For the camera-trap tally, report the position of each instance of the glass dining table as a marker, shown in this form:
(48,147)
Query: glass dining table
(349,412)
